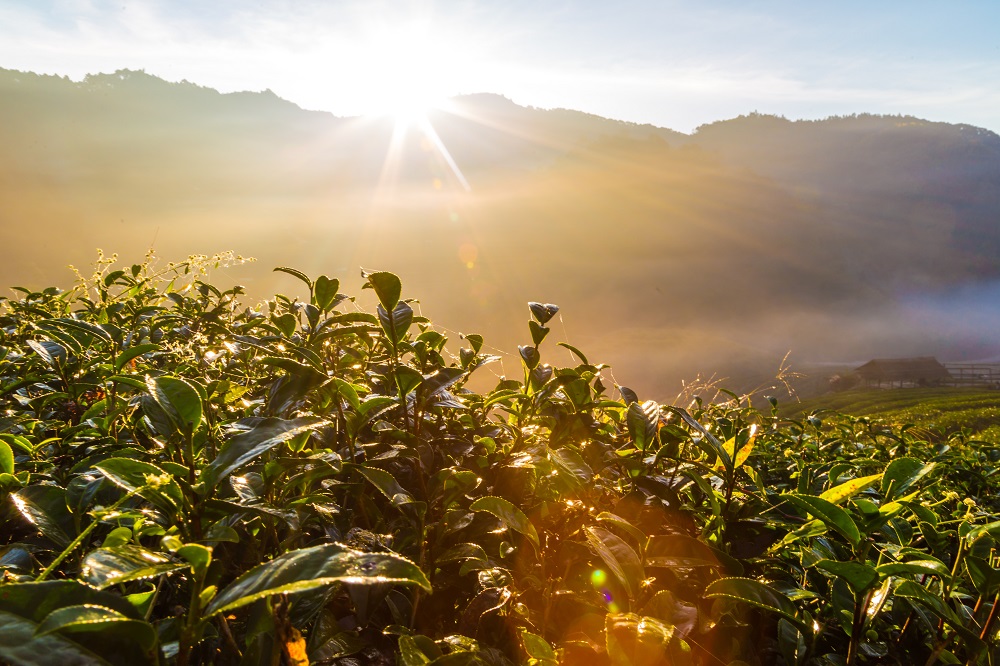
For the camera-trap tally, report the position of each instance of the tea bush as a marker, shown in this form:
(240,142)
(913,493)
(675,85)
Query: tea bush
(189,480)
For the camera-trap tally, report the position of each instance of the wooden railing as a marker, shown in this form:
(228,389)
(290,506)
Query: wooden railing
(974,374)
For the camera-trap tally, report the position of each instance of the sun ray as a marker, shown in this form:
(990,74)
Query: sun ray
(428,129)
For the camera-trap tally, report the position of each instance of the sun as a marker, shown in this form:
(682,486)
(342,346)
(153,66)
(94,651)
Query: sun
(403,72)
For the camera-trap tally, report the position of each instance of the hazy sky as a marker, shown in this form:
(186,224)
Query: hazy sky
(674,64)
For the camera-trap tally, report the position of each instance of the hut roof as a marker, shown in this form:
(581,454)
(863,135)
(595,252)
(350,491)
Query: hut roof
(922,369)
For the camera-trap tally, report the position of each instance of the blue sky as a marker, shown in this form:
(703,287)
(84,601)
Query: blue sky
(674,64)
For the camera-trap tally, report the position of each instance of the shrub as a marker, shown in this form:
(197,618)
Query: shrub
(188,480)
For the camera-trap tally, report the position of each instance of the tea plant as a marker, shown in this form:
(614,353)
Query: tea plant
(187,480)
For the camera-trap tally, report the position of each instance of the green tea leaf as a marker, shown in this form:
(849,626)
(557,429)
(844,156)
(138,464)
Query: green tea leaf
(439,382)
(407,379)
(93,618)
(916,568)
(296,273)
(538,332)
(642,420)
(309,568)
(739,457)
(509,515)
(106,567)
(6,458)
(133,352)
(410,653)
(680,550)
(80,326)
(832,515)
(991,529)
(396,324)
(475,340)
(902,473)
(916,592)
(132,474)
(538,649)
(286,323)
(579,354)
(985,578)
(707,440)
(263,435)
(529,355)
(53,353)
(198,556)
(385,482)
(387,287)
(347,390)
(45,507)
(839,493)
(619,557)
(19,645)
(543,312)
(624,525)
(572,465)
(178,399)
(635,640)
(757,594)
(860,577)
(24,606)
(325,292)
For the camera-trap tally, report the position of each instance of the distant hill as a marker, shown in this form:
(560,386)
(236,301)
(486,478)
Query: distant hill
(670,254)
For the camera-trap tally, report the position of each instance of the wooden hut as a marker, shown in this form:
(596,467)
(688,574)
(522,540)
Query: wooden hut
(919,371)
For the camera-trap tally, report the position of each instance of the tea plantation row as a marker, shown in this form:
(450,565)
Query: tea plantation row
(187,480)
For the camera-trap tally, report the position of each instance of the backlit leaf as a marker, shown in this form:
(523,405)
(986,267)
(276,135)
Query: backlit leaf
(263,435)
(839,493)
(543,312)
(296,273)
(396,324)
(538,649)
(132,353)
(178,399)
(24,606)
(309,568)
(132,474)
(45,507)
(750,591)
(832,515)
(385,482)
(619,557)
(6,458)
(635,640)
(509,515)
(95,618)
(387,287)
(106,567)
(642,420)
(325,292)
(915,568)
(902,473)
(860,577)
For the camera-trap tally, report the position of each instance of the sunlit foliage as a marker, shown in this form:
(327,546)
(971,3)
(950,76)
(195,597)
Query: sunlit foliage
(190,480)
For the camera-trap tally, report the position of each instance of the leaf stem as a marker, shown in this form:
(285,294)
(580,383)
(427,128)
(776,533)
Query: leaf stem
(83,535)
